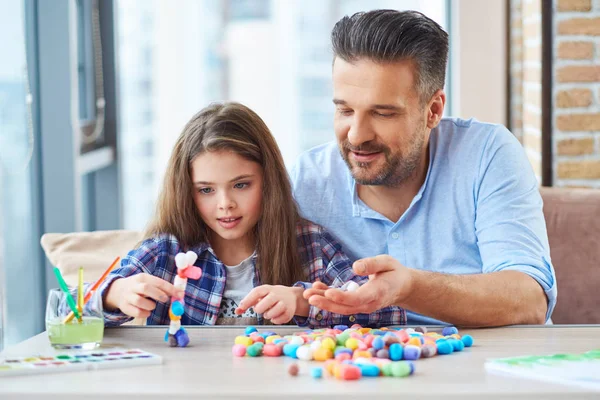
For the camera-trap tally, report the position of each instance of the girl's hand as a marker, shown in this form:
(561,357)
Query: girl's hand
(278,303)
(317,289)
(137,295)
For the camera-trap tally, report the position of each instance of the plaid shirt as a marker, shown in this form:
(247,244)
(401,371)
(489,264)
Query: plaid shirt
(322,257)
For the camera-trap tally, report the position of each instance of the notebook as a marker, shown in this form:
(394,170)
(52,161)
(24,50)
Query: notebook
(581,370)
(79,361)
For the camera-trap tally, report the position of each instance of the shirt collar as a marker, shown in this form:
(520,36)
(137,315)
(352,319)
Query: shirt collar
(202,247)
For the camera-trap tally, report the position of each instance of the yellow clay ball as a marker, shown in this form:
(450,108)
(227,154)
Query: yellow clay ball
(245,340)
(328,343)
(272,338)
(352,344)
(322,354)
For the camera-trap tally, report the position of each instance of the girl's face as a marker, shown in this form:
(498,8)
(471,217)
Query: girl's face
(228,193)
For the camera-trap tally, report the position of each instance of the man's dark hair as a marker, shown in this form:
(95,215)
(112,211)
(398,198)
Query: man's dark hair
(384,36)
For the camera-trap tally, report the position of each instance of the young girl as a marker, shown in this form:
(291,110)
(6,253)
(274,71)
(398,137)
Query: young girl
(227,197)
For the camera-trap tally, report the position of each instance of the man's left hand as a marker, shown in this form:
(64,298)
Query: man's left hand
(389,283)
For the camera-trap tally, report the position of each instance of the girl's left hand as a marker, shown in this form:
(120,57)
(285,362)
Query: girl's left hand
(276,303)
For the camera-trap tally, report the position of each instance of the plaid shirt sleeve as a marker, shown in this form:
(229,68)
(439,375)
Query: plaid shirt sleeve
(140,260)
(328,264)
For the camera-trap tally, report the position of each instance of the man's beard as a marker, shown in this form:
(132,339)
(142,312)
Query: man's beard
(397,168)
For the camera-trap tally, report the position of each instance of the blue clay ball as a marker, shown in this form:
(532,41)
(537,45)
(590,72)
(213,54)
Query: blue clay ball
(369,370)
(316,372)
(412,352)
(341,350)
(378,343)
(396,352)
(443,347)
(467,340)
(290,350)
(449,330)
(177,308)
(182,338)
(457,345)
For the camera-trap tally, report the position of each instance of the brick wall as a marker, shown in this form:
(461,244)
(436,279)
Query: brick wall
(526,72)
(576,136)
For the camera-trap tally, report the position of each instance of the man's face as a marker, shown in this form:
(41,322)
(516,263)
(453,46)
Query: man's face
(379,123)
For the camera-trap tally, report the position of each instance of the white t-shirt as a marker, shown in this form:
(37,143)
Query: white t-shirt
(239,283)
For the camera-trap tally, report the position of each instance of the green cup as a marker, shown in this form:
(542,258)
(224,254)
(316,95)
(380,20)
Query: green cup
(86,334)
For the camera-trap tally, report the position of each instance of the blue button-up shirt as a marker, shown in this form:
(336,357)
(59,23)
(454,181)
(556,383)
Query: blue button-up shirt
(478,211)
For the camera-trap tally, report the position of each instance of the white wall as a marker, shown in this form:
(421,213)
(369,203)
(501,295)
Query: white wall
(480,74)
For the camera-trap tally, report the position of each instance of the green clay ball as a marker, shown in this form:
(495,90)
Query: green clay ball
(387,369)
(254,350)
(400,369)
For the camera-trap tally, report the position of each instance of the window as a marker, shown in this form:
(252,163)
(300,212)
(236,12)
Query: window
(16,180)
(273,56)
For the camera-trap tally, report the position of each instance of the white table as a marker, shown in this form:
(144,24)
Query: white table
(207,369)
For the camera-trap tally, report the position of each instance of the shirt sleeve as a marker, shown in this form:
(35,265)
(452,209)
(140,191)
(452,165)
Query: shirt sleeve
(335,271)
(509,222)
(140,260)
(293,175)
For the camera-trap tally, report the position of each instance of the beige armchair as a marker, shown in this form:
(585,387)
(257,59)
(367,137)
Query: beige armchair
(94,251)
(573,223)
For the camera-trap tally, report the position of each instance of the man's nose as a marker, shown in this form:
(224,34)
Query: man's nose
(360,131)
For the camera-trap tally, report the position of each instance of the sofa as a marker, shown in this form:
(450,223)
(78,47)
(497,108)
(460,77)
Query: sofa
(573,224)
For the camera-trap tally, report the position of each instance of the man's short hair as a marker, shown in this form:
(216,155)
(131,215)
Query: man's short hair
(384,36)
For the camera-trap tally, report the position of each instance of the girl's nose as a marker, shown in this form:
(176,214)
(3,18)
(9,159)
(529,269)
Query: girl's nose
(226,203)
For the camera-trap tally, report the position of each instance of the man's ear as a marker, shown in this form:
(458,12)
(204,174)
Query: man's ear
(435,108)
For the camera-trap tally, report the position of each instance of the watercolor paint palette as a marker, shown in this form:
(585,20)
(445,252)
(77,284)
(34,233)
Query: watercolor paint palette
(79,361)
(581,370)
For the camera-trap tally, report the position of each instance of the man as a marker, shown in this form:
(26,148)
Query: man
(443,214)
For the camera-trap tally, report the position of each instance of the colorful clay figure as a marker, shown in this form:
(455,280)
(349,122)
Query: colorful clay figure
(176,334)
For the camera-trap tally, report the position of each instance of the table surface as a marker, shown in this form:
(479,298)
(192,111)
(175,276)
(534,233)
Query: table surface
(207,369)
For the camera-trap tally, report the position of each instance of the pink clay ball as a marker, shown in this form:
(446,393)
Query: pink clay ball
(239,350)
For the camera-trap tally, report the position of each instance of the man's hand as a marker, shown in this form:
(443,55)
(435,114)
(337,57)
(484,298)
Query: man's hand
(389,283)
(137,295)
(278,303)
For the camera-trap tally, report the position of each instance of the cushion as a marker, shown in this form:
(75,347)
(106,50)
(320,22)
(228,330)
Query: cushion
(573,223)
(94,251)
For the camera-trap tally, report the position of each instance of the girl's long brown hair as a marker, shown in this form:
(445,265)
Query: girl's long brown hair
(233,127)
